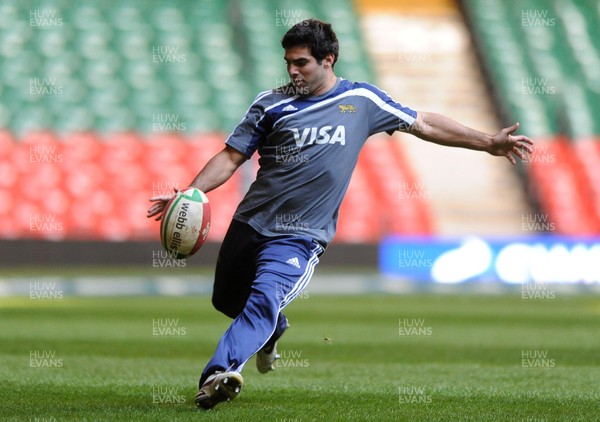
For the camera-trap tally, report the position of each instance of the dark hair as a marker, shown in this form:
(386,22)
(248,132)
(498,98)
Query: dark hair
(316,35)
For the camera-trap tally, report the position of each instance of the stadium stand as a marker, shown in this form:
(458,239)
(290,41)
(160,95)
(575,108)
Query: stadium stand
(75,186)
(543,57)
(106,103)
(423,56)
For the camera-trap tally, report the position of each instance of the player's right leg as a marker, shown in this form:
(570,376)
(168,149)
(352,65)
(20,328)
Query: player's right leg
(219,387)
(266,357)
(235,272)
(234,275)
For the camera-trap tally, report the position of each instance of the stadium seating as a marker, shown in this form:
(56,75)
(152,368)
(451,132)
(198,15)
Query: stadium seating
(111,98)
(85,187)
(143,95)
(544,57)
(115,67)
(384,179)
(563,191)
(587,163)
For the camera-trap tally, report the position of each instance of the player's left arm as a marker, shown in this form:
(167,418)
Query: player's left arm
(442,130)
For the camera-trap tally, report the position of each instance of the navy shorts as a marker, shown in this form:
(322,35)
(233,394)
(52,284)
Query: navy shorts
(244,252)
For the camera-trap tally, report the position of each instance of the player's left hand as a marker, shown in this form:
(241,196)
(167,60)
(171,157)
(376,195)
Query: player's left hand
(504,143)
(160,202)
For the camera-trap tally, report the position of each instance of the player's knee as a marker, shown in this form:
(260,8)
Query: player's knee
(227,306)
(266,302)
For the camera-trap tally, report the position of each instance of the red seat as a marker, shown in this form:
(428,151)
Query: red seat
(80,147)
(7,143)
(359,220)
(402,201)
(84,186)
(587,154)
(560,190)
(223,203)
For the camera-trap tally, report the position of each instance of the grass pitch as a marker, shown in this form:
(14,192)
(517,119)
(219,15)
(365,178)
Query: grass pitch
(353,358)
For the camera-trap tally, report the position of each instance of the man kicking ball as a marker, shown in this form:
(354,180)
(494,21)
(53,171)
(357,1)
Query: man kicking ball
(308,135)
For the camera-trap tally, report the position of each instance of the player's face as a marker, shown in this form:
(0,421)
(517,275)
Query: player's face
(308,76)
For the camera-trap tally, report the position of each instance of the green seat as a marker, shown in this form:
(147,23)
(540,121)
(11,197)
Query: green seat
(553,48)
(102,57)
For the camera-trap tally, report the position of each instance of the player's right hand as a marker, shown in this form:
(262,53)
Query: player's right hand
(160,202)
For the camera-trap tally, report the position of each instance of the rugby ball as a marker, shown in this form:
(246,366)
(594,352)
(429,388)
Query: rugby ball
(185,223)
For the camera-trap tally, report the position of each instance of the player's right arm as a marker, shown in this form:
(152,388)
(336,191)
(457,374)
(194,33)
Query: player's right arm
(240,146)
(216,172)
(218,169)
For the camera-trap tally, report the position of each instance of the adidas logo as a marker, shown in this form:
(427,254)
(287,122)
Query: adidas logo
(294,261)
(289,108)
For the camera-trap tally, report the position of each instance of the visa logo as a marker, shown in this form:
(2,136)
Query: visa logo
(323,135)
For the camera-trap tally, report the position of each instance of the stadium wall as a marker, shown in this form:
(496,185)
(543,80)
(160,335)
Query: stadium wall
(45,253)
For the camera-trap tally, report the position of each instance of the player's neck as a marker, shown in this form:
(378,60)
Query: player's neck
(327,84)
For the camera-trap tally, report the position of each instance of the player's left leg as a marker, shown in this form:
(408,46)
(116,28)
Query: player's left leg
(284,268)
(267,355)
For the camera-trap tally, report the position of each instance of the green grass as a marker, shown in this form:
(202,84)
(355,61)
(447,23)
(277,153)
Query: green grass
(344,359)
(89,271)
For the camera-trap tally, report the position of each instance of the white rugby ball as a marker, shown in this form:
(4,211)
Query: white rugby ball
(185,223)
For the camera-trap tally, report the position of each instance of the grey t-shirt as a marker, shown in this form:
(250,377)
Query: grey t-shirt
(308,148)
